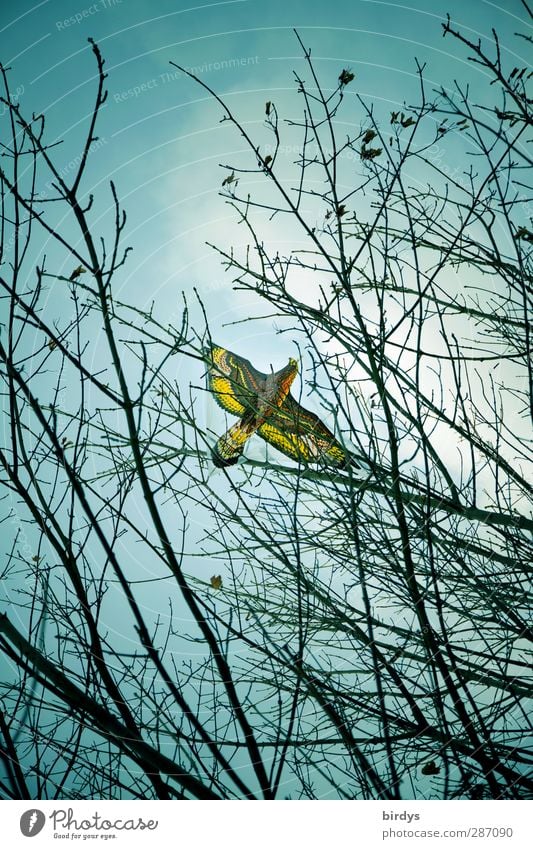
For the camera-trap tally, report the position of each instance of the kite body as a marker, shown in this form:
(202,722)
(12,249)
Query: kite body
(265,406)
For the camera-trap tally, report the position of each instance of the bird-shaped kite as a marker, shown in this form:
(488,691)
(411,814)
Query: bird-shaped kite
(264,405)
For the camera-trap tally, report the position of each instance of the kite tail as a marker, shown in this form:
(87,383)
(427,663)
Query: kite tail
(230,446)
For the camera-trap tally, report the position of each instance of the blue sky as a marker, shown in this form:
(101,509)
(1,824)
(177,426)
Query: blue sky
(160,136)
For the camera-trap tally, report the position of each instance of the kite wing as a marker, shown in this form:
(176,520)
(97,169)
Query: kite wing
(234,381)
(302,435)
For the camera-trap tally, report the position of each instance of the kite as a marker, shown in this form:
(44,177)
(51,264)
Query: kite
(264,405)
